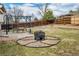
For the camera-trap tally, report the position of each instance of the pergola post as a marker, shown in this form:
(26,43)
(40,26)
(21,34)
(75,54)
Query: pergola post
(7,24)
(30,31)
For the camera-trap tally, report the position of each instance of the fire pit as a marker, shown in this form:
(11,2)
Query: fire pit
(38,40)
(39,35)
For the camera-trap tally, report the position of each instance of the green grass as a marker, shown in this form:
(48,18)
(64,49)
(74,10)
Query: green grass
(69,44)
(13,49)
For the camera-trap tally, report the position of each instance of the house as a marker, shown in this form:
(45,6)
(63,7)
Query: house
(64,19)
(75,20)
(2,12)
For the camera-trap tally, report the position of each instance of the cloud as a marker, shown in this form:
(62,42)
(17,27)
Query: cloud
(28,4)
(26,8)
(29,10)
(63,8)
(32,8)
(57,10)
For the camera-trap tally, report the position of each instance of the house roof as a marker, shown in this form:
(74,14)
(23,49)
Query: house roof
(2,9)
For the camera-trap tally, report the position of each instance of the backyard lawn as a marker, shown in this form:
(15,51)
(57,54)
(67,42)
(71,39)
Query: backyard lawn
(69,44)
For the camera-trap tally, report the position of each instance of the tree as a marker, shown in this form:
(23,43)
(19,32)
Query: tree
(70,11)
(74,12)
(17,12)
(43,8)
(48,15)
(45,12)
(35,19)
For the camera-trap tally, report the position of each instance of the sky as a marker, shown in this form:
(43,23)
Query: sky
(32,8)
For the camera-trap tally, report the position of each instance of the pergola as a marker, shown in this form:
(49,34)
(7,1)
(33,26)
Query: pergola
(27,18)
(7,19)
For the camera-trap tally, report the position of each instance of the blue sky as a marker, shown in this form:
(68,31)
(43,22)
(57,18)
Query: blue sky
(32,8)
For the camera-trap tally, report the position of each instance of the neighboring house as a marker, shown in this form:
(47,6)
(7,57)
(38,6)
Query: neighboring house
(68,19)
(2,12)
(75,19)
(64,19)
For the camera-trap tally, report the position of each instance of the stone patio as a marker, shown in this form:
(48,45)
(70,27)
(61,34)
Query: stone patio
(29,41)
(13,36)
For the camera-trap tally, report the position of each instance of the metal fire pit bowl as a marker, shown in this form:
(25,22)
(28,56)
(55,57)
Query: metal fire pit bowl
(39,40)
(39,35)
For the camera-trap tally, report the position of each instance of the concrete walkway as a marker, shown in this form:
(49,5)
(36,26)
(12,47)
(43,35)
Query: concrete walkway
(15,36)
(19,35)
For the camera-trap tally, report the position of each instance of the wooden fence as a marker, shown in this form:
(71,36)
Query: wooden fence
(26,25)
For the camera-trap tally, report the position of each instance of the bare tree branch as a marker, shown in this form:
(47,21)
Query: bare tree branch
(43,9)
